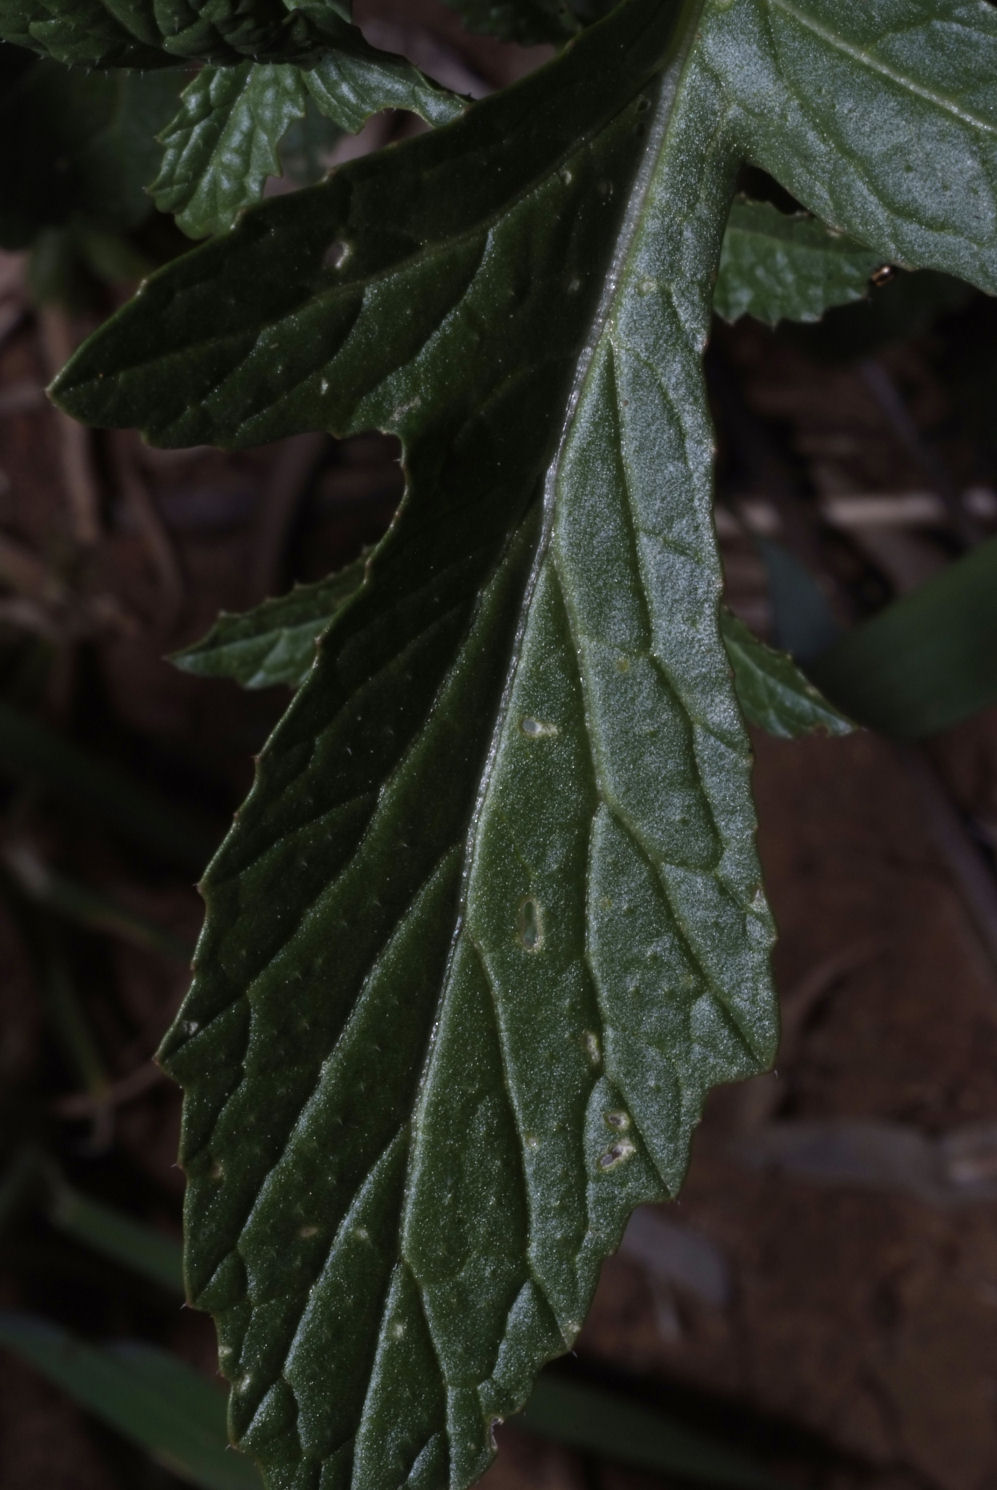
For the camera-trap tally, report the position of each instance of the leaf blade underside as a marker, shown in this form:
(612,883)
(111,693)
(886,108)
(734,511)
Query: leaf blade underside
(577,1107)
(776,267)
(490,922)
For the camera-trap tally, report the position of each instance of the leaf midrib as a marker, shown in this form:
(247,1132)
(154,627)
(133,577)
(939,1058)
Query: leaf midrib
(669,90)
(874,64)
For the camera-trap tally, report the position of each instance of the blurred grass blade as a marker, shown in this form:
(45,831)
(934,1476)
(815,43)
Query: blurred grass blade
(158,1402)
(86,907)
(136,1246)
(611,1427)
(926,661)
(66,1011)
(29,749)
(802,622)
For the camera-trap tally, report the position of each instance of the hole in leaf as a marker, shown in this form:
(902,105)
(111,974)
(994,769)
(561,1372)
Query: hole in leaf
(531,933)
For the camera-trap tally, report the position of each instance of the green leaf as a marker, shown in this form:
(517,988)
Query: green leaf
(926,661)
(164,33)
(223,144)
(356,80)
(275,642)
(776,267)
(80,148)
(772,690)
(490,922)
(156,1401)
(879,118)
(484,739)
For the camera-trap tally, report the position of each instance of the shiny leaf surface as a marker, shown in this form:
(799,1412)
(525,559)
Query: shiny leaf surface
(275,644)
(880,118)
(223,144)
(519,709)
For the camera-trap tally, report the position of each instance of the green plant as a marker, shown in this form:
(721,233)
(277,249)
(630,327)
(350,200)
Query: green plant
(491,922)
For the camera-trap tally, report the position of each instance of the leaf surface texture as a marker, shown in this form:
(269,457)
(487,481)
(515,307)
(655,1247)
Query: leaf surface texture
(224,142)
(275,642)
(167,33)
(772,691)
(778,267)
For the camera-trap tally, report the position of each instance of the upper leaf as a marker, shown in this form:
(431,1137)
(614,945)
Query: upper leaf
(357,80)
(155,33)
(223,144)
(165,33)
